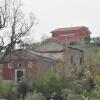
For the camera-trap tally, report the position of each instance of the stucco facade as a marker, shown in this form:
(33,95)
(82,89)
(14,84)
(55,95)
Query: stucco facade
(71,34)
(19,65)
(29,64)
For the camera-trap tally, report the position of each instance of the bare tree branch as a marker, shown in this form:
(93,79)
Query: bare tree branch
(12,17)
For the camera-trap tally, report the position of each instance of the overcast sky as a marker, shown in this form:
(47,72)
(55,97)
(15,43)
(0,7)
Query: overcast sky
(52,14)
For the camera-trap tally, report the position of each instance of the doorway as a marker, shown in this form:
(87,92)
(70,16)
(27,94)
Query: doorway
(19,75)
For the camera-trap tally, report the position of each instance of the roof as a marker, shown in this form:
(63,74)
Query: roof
(53,56)
(29,54)
(75,48)
(50,46)
(53,50)
(50,51)
(68,29)
(54,47)
(19,54)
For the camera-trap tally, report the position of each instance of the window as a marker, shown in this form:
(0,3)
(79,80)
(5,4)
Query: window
(81,34)
(81,60)
(19,65)
(72,60)
(30,65)
(74,63)
(10,65)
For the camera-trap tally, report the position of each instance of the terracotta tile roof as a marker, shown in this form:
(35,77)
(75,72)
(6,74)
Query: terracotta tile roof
(68,29)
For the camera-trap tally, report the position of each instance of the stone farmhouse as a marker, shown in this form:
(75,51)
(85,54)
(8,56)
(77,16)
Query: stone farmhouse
(29,64)
(71,59)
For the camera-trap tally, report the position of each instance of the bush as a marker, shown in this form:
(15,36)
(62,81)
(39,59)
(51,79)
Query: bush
(50,83)
(76,86)
(4,89)
(87,40)
(23,88)
(75,97)
(79,86)
(97,80)
(35,96)
(11,95)
(65,93)
(89,84)
(93,95)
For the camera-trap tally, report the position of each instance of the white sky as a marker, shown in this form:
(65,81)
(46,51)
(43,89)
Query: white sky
(52,14)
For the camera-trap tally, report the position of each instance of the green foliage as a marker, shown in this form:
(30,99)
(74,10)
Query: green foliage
(89,84)
(49,84)
(66,92)
(75,43)
(23,88)
(92,61)
(77,86)
(87,40)
(4,88)
(97,80)
(35,96)
(93,95)
(75,97)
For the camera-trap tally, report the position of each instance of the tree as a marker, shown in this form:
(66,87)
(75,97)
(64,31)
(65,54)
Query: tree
(3,22)
(50,85)
(92,61)
(45,38)
(15,24)
(87,40)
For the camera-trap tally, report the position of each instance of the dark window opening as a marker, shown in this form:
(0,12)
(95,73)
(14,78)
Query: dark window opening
(74,63)
(19,65)
(81,60)
(72,60)
(20,76)
(30,65)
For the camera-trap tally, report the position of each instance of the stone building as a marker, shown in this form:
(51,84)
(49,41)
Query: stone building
(68,60)
(29,64)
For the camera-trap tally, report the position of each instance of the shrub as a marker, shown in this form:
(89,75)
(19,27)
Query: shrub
(75,97)
(11,95)
(76,86)
(65,93)
(92,95)
(89,84)
(35,96)
(87,40)
(4,88)
(79,86)
(50,83)
(23,88)
(97,80)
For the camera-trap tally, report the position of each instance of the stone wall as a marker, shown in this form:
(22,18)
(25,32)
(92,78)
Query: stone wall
(73,62)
